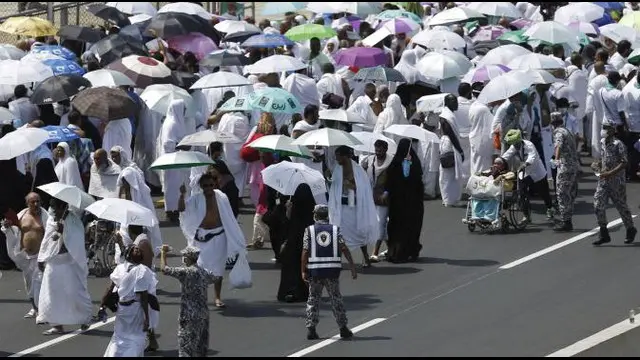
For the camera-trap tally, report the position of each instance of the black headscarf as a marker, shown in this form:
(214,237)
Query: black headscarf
(45,174)
(303,203)
(404,147)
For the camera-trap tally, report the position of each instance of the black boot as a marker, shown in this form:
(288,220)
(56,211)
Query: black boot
(604,236)
(563,226)
(345,333)
(312,334)
(631,235)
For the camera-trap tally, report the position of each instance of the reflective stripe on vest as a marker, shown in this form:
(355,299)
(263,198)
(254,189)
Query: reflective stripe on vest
(316,262)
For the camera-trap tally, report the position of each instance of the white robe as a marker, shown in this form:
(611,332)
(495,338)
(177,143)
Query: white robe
(64,298)
(362,106)
(480,140)
(129,337)
(171,134)
(238,125)
(393,114)
(461,119)
(597,112)
(450,179)
(24,110)
(103,183)
(429,153)
(144,153)
(67,169)
(358,224)
(331,83)
(303,88)
(407,67)
(117,133)
(214,253)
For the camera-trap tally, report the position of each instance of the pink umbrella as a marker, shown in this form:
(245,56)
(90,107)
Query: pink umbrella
(196,43)
(489,33)
(521,23)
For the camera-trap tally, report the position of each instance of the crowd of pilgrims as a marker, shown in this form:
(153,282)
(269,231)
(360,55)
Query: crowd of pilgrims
(111,159)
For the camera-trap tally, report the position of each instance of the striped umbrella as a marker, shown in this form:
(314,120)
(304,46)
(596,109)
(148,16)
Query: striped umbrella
(142,70)
(484,73)
(488,33)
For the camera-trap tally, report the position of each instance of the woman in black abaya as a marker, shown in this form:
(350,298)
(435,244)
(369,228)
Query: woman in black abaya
(292,287)
(406,208)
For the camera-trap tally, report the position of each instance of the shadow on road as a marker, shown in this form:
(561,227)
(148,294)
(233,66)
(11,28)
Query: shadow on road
(389,270)
(242,309)
(173,353)
(469,263)
(369,338)
(98,333)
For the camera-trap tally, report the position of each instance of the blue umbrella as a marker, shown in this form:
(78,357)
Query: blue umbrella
(60,134)
(277,8)
(604,20)
(64,67)
(613,5)
(267,41)
(56,50)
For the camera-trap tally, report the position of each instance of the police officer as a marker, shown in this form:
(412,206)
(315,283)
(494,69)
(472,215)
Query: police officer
(567,165)
(612,185)
(321,266)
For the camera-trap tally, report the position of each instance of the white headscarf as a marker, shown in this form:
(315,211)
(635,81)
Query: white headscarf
(393,114)
(125,159)
(336,46)
(173,129)
(406,66)
(67,169)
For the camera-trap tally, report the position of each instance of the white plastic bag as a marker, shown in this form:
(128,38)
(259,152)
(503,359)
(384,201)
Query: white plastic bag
(240,275)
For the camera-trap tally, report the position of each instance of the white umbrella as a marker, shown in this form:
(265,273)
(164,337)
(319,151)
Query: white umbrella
(413,132)
(16,72)
(108,78)
(158,97)
(326,137)
(430,103)
(586,28)
(552,32)
(505,86)
(502,55)
(6,116)
(275,64)
(70,194)
(395,27)
(139,18)
(535,61)
(342,116)
(10,52)
(541,76)
(21,141)
(280,144)
(220,79)
(181,160)
(134,8)
(457,14)
(206,137)
(186,8)
(369,138)
(125,212)
(580,11)
(439,39)
(459,57)
(502,9)
(439,66)
(41,56)
(617,33)
(234,26)
(358,8)
(285,177)
(491,72)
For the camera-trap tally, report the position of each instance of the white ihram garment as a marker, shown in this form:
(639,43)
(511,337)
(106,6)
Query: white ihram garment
(215,252)
(238,125)
(118,133)
(64,298)
(450,179)
(171,134)
(129,337)
(358,224)
(480,140)
(67,169)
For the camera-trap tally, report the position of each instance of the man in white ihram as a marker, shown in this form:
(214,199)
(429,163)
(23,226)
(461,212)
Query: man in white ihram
(64,298)
(207,221)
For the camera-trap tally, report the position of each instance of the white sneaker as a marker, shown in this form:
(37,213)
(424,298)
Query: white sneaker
(31,314)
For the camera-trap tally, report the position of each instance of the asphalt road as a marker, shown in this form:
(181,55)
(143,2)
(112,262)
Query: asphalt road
(456,301)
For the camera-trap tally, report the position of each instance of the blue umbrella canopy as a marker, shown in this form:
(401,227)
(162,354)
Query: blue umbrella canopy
(267,41)
(64,67)
(56,50)
(60,134)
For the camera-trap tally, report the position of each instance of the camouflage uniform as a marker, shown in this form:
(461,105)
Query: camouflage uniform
(193,322)
(566,178)
(315,292)
(613,154)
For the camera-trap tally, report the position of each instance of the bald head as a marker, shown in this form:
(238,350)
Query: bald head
(370,90)
(100,158)
(33,202)
(598,67)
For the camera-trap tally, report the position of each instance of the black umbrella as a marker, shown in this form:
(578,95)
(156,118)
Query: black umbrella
(110,14)
(224,58)
(240,36)
(105,103)
(183,79)
(379,73)
(58,88)
(80,33)
(137,31)
(410,93)
(117,46)
(166,25)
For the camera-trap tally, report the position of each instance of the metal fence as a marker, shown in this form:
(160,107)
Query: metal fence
(74,13)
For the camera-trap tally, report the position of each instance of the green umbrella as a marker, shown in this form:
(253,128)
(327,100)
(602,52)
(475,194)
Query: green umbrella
(237,103)
(274,100)
(308,31)
(516,37)
(392,14)
(634,57)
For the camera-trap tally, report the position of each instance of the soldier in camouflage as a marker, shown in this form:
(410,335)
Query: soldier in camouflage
(612,185)
(567,164)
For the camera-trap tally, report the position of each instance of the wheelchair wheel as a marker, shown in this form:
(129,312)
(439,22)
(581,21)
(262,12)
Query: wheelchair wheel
(471,227)
(516,211)
(109,254)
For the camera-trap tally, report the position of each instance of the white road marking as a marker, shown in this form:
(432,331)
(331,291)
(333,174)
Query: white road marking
(596,339)
(557,246)
(62,338)
(335,338)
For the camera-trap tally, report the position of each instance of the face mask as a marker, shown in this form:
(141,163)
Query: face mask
(406,166)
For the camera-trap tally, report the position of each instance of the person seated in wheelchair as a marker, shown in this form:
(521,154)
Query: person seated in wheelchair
(498,171)
(535,174)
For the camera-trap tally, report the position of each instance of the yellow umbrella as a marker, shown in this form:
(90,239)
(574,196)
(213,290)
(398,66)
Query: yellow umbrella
(28,26)
(631,20)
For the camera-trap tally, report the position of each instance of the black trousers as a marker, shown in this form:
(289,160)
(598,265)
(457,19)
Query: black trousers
(541,187)
(633,156)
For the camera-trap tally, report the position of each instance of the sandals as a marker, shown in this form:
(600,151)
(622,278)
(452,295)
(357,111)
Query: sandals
(256,245)
(219,304)
(53,331)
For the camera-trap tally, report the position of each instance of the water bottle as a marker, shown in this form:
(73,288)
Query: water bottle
(632,316)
